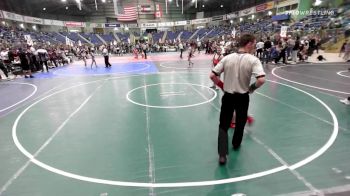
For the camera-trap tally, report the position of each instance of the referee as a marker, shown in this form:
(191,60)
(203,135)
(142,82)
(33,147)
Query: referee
(238,68)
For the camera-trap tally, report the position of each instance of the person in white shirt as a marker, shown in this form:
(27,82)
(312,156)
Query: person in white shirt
(106,56)
(3,56)
(238,68)
(260,49)
(92,54)
(190,55)
(181,47)
(199,45)
(83,55)
(43,58)
(144,49)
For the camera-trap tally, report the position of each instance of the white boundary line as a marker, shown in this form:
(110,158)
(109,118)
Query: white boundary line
(170,107)
(331,139)
(340,73)
(150,150)
(13,105)
(179,184)
(9,182)
(320,88)
(185,68)
(103,74)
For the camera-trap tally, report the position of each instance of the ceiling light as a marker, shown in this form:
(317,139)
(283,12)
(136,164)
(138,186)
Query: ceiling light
(44,8)
(221,5)
(67,8)
(103,1)
(318,2)
(203,5)
(64,0)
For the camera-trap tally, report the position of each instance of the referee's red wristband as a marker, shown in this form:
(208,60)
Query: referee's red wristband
(221,84)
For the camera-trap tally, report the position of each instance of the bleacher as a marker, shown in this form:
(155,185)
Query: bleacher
(107,37)
(73,36)
(157,36)
(172,35)
(92,38)
(123,37)
(186,35)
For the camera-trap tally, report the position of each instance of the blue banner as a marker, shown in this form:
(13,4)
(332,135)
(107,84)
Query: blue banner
(112,25)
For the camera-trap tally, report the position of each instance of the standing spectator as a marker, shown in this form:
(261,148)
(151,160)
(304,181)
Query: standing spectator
(259,49)
(347,51)
(190,55)
(43,58)
(4,69)
(342,49)
(267,50)
(181,47)
(24,58)
(105,53)
(83,55)
(4,61)
(92,54)
(282,48)
(216,59)
(144,49)
(290,46)
(238,69)
(295,50)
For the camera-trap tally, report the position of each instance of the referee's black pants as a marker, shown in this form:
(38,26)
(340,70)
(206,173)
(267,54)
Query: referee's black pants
(232,102)
(107,61)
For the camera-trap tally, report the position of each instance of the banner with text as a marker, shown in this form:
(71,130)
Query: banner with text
(165,24)
(144,9)
(181,23)
(217,18)
(74,24)
(201,21)
(132,25)
(284,30)
(149,25)
(247,11)
(111,25)
(265,6)
(12,16)
(232,15)
(33,20)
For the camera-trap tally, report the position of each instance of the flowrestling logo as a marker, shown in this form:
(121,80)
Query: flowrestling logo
(313,12)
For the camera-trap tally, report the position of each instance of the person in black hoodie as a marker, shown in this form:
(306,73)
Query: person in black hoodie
(295,50)
(267,50)
(342,49)
(24,58)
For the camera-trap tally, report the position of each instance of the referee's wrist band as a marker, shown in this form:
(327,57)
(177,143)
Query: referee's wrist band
(215,73)
(253,87)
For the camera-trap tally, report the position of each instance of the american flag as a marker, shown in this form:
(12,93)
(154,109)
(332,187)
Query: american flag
(130,14)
